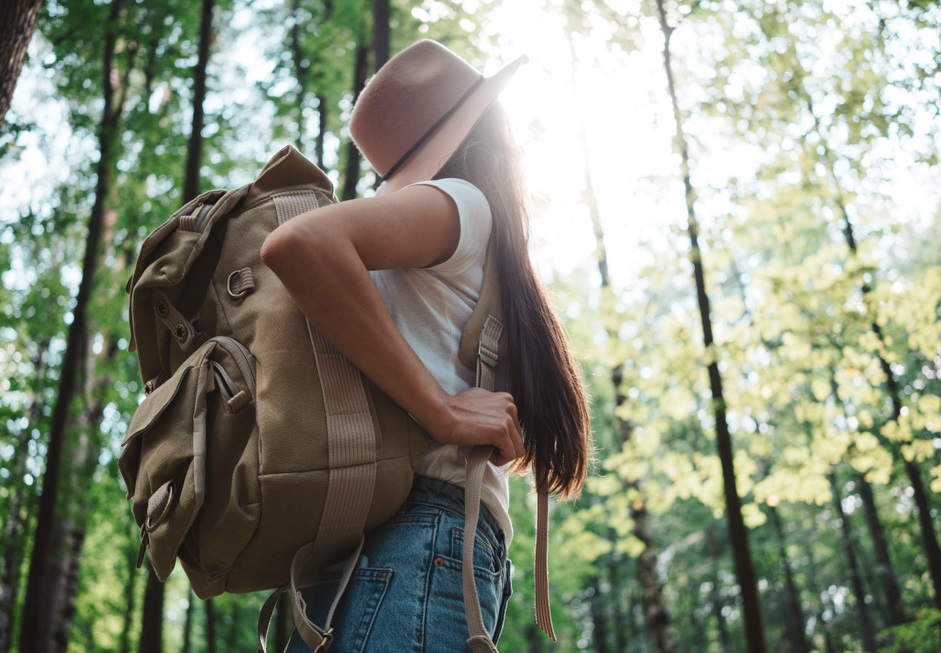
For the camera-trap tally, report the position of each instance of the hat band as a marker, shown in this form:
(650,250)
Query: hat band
(431,130)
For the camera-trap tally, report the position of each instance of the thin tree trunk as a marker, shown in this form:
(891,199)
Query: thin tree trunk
(83,464)
(301,70)
(152,619)
(715,597)
(658,619)
(17,23)
(865,621)
(795,616)
(738,533)
(619,608)
(352,174)
(188,623)
(74,541)
(380,33)
(282,621)
(130,591)
(151,634)
(37,623)
(599,617)
(195,145)
(210,626)
(884,570)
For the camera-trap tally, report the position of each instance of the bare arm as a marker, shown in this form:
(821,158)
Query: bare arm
(323,258)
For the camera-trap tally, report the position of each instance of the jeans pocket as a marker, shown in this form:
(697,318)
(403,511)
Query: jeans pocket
(356,613)
(507,593)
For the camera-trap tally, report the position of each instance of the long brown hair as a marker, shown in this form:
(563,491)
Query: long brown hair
(545,380)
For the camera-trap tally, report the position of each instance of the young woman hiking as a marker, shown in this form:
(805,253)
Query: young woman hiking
(391,281)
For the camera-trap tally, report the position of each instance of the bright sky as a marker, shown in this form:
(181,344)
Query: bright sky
(608,95)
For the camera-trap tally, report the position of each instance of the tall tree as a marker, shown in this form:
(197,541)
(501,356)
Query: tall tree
(37,625)
(738,533)
(17,23)
(152,627)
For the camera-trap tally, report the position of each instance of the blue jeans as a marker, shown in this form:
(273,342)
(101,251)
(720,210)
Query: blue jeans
(406,592)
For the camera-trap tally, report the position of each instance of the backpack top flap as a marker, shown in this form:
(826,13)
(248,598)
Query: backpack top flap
(170,251)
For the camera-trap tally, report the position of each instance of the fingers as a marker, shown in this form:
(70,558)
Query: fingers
(510,445)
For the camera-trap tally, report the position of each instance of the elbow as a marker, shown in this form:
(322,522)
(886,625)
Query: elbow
(274,246)
(286,246)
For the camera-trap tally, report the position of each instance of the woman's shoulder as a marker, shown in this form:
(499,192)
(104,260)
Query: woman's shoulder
(469,199)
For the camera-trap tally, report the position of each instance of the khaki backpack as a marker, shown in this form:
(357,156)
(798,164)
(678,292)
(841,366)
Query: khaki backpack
(260,455)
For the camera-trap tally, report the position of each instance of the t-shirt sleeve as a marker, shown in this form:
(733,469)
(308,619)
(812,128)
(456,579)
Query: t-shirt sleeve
(475,219)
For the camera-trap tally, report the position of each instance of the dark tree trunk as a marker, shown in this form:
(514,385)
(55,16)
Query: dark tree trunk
(795,616)
(658,619)
(188,623)
(17,23)
(884,570)
(194,154)
(380,33)
(351,176)
(151,634)
(37,626)
(865,620)
(301,71)
(619,602)
(738,533)
(599,617)
(130,591)
(74,540)
(210,626)
(282,623)
(715,596)
(323,113)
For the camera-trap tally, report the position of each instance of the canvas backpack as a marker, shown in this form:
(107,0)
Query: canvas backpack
(260,455)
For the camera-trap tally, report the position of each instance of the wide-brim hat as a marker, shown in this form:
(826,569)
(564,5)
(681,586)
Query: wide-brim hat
(418,109)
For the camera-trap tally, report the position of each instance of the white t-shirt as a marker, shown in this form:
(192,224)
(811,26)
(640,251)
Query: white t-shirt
(430,307)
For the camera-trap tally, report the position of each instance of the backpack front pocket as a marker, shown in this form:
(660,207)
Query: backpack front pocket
(204,411)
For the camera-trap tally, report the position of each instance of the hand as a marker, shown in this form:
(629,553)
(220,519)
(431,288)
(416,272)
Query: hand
(476,417)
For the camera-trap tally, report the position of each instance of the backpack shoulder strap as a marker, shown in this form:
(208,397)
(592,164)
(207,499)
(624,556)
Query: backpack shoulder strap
(483,341)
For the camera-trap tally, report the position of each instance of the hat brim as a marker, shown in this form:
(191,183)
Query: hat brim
(425,162)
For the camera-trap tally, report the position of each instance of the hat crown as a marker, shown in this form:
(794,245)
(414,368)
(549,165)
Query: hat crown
(410,94)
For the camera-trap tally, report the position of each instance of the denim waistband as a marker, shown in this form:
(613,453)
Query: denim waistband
(450,497)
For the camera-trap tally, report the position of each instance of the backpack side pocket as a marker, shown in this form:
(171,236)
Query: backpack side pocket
(208,402)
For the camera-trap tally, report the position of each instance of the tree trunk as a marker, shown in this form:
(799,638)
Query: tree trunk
(210,626)
(619,601)
(738,534)
(658,619)
(17,23)
(351,176)
(151,634)
(795,619)
(194,154)
(716,599)
(82,467)
(74,540)
(37,623)
(865,621)
(282,621)
(130,591)
(188,623)
(380,33)
(884,570)
(599,618)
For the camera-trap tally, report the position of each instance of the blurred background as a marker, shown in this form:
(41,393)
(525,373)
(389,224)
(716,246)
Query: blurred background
(735,206)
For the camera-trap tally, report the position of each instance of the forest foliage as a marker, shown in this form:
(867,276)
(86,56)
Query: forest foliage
(794,165)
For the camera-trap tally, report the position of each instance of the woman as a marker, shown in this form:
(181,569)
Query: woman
(391,282)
